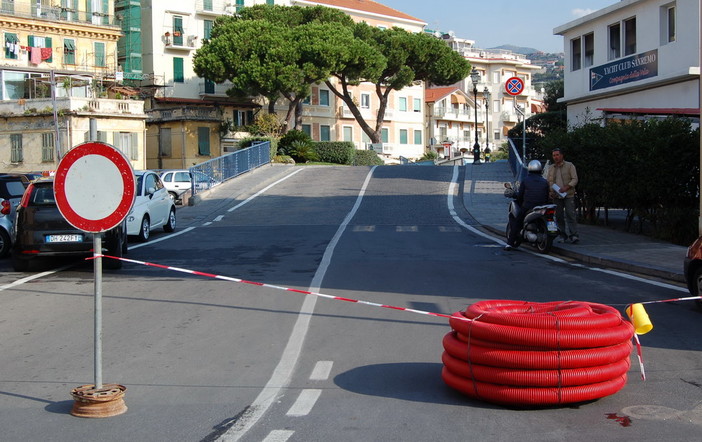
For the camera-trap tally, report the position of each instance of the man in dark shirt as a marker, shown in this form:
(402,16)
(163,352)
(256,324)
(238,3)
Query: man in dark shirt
(532,192)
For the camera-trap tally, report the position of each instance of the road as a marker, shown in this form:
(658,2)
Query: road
(212,359)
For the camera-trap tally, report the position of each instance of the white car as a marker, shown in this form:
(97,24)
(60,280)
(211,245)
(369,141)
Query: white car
(153,206)
(178,182)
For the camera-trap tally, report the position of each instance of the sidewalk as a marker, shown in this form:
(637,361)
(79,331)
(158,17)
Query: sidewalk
(599,245)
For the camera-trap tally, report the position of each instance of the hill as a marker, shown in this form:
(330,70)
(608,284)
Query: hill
(518,49)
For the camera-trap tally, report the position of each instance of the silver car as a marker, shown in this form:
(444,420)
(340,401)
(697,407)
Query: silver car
(12,188)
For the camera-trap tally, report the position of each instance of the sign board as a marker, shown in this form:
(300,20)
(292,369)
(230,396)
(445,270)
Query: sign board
(629,69)
(94,187)
(514,86)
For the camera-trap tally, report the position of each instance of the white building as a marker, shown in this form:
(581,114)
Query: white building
(636,58)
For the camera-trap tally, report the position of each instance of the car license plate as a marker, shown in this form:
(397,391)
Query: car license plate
(552,226)
(64,238)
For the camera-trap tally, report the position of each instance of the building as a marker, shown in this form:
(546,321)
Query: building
(449,120)
(495,68)
(66,50)
(633,59)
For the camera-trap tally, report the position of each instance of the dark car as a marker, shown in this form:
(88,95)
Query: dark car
(41,231)
(11,189)
(693,269)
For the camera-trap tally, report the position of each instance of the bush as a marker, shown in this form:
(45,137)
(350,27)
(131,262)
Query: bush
(302,152)
(429,156)
(287,140)
(367,158)
(248,141)
(337,152)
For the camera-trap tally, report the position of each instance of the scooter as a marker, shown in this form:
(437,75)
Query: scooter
(540,227)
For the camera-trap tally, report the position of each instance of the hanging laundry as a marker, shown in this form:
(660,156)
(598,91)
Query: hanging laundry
(45,53)
(35,56)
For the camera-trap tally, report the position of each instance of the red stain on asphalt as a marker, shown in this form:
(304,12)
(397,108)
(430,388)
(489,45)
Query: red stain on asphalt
(624,421)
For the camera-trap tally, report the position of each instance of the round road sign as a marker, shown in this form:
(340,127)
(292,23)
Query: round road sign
(514,86)
(94,187)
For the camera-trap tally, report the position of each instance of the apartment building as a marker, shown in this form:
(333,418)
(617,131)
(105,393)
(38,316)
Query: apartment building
(633,59)
(502,112)
(59,71)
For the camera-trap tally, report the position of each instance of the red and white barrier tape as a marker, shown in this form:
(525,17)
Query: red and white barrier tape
(287,289)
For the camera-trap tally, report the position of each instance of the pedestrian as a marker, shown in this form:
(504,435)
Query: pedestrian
(532,192)
(562,179)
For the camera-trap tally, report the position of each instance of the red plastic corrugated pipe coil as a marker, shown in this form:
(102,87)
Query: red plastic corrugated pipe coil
(532,354)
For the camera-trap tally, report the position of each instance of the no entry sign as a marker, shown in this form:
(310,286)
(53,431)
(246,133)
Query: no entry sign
(514,86)
(94,187)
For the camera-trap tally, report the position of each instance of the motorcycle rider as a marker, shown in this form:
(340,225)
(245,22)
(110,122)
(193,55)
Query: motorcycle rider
(532,192)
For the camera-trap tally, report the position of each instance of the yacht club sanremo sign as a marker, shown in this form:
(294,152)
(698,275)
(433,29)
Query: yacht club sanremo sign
(634,68)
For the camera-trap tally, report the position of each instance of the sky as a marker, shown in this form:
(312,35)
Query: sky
(492,23)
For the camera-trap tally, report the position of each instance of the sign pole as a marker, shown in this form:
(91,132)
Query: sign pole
(97,266)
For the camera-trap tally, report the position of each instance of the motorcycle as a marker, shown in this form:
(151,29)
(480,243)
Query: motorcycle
(539,228)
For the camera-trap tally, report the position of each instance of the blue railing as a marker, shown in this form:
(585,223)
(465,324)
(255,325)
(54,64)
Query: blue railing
(218,170)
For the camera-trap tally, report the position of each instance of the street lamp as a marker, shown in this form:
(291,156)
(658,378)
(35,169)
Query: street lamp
(475,78)
(486,94)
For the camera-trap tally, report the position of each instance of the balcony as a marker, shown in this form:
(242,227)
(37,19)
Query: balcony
(207,113)
(45,11)
(74,104)
(215,8)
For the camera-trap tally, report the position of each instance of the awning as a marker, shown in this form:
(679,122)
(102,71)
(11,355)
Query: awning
(68,44)
(458,99)
(652,111)
(11,38)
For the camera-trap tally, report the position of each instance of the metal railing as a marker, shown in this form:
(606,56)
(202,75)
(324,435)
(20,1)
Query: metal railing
(515,161)
(216,171)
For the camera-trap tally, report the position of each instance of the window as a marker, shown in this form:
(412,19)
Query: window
(575,54)
(323,97)
(307,128)
(16,155)
(69,51)
(178,75)
(127,142)
(324,132)
(403,104)
(496,105)
(365,101)
(403,136)
(589,43)
(177,31)
(270,2)
(615,41)
(209,86)
(384,135)
(47,146)
(239,5)
(496,135)
(207,31)
(630,36)
(207,5)
(100,54)
(165,142)
(417,137)
(307,100)
(69,10)
(348,133)
(203,140)
(12,46)
(417,105)
(41,56)
(668,24)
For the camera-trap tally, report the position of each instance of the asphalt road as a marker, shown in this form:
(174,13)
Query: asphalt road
(211,359)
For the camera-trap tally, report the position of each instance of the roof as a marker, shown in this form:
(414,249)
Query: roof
(432,95)
(652,111)
(224,100)
(366,6)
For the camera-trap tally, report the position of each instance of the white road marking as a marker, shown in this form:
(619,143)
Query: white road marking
(219,218)
(283,371)
(161,238)
(321,371)
(246,201)
(458,220)
(278,436)
(305,402)
(32,278)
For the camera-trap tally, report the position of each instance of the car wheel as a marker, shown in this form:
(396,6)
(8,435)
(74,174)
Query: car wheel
(114,248)
(4,243)
(20,264)
(171,224)
(697,286)
(174,196)
(145,230)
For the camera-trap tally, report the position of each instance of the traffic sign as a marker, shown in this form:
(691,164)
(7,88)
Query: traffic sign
(94,187)
(514,86)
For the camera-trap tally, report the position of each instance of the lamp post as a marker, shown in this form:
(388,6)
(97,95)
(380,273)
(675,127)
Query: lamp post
(475,78)
(486,94)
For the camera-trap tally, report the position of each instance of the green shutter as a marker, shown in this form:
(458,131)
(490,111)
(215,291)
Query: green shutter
(48,45)
(100,54)
(203,140)
(207,32)
(178,73)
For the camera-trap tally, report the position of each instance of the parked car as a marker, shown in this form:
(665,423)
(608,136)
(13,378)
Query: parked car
(178,182)
(11,189)
(692,267)
(153,206)
(40,230)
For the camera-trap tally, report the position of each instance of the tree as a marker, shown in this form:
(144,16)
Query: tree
(553,91)
(275,50)
(405,57)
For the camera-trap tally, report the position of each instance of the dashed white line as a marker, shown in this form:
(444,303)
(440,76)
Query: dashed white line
(321,371)
(304,402)
(278,436)
(219,218)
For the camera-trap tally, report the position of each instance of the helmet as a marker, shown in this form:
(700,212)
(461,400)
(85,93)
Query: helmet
(534,166)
